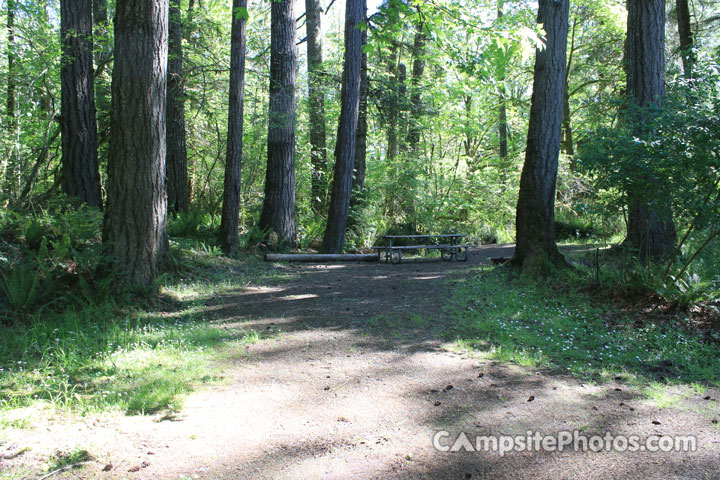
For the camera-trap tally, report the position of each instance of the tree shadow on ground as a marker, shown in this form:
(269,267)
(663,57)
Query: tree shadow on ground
(423,303)
(353,378)
(344,317)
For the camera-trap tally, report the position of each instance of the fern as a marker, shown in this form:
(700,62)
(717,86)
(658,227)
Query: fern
(98,291)
(62,249)
(34,232)
(20,286)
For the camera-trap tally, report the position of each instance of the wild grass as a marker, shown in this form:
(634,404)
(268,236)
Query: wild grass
(557,326)
(93,361)
(64,460)
(137,357)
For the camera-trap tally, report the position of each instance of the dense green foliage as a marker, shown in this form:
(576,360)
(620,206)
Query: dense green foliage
(451,179)
(682,159)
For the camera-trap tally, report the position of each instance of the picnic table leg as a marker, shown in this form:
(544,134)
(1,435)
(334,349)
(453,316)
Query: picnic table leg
(399,256)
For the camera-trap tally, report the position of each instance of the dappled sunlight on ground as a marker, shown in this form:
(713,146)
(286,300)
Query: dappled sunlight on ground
(351,378)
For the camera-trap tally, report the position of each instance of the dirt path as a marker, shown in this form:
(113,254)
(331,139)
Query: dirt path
(337,392)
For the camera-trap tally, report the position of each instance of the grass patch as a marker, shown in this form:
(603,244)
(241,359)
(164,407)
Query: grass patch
(418,321)
(66,459)
(535,325)
(139,359)
(663,396)
(19,423)
(92,361)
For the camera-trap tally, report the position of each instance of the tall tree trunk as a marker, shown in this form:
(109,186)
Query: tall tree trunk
(650,226)
(103,56)
(398,73)
(136,211)
(278,211)
(347,131)
(469,140)
(191,24)
(11,167)
(567,142)
(230,222)
(502,116)
(393,100)
(535,245)
(687,39)
(177,177)
(81,176)
(11,96)
(418,70)
(42,93)
(316,103)
(361,142)
(502,126)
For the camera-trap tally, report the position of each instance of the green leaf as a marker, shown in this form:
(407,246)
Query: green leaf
(241,13)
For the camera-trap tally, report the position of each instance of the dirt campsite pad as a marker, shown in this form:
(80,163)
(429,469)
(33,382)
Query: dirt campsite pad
(335,392)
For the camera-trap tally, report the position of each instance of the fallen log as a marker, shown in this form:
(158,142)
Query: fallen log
(319,257)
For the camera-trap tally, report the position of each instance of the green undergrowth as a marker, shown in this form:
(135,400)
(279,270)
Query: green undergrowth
(557,326)
(93,361)
(139,356)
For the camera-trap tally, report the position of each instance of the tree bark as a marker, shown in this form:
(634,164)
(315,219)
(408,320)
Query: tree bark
(398,74)
(535,245)
(177,177)
(11,167)
(278,211)
(502,127)
(81,176)
(502,114)
(469,141)
(11,96)
(650,226)
(99,12)
(136,212)
(687,39)
(41,85)
(361,142)
(347,131)
(316,103)
(567,142)
(102,83)
(393,99)
(230,222)
(418,70)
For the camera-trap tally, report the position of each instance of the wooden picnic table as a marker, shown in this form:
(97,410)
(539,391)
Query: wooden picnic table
(449,250)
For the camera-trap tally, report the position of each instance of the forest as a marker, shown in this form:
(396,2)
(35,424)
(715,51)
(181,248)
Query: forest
(153,152)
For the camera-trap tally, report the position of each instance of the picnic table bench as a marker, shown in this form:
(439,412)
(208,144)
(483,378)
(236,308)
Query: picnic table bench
(449,250)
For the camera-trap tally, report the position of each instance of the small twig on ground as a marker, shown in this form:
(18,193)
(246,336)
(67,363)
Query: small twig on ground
(64,469)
